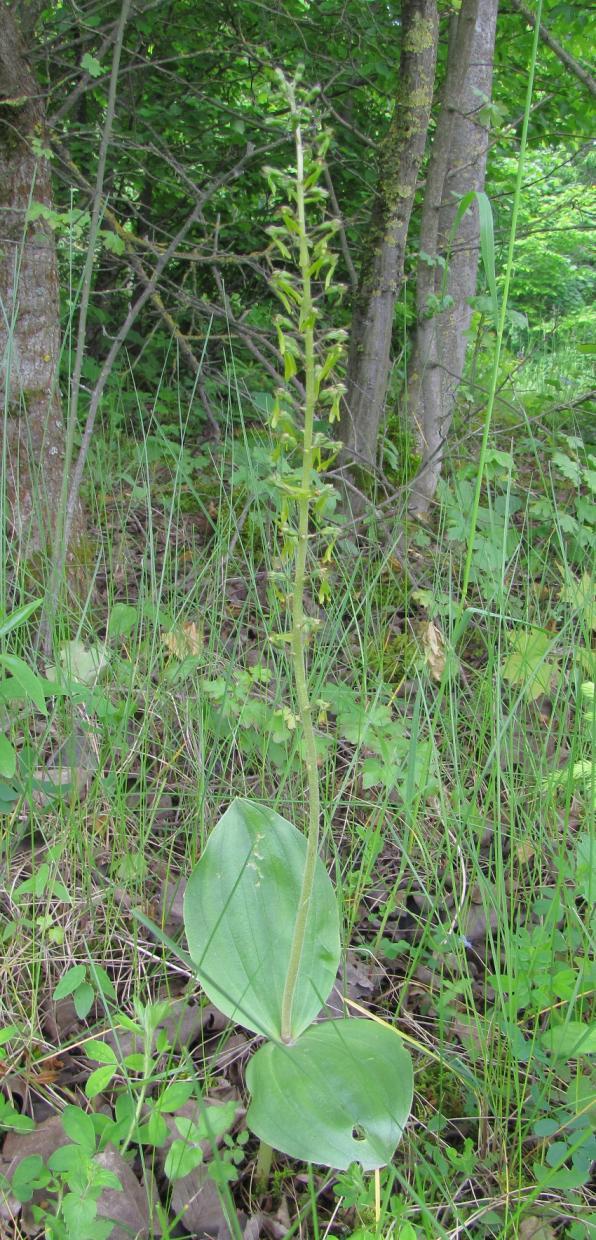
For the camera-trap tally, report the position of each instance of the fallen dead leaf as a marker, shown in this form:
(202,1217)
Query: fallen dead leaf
(356,980)
(197,1201)
(433,647)
(195,1197)
(129,1209)
(185,1023)
(184,641)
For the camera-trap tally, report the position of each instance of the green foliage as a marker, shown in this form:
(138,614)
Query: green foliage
(573,473)
(259,909)
(66,1188)
(239,911)
(23,685)
(83,984)
(483,799)
(555,279)
(340,1094)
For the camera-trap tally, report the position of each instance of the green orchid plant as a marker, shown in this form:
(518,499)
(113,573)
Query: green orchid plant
(261,915)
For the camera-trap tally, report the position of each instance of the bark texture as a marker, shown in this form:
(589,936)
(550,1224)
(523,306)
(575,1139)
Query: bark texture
(457,166)
(33,428)
(383,266)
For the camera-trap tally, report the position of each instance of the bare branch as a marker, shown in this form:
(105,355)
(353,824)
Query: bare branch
(563,55)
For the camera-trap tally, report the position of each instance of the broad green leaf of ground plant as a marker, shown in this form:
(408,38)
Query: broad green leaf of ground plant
(8,758)
(11,620)
(570,1039)
(341,1094)
(240,910)
(527,664)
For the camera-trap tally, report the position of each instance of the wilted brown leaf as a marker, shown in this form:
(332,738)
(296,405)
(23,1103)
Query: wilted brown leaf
(433,647)
(184,641)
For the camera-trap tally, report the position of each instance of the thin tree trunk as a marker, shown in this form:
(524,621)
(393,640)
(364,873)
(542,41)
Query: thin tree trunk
(31,413)
(446,282)
(383,266)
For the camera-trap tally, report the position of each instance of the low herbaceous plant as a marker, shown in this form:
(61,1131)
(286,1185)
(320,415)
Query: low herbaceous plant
(261,914)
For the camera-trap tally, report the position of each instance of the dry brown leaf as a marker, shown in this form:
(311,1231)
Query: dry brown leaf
(129,1209)
(197,1200)
(356,981)
(44,1073)
(184,641)
(525,851)
(195,1196)
(433,647)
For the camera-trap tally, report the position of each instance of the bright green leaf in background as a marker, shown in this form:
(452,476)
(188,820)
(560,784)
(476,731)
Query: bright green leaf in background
(8,758)
(79,663)
(26,681)
(341,1094)
(99,1080)
(581,595)
(114,243)
(69,981)
(91,65)
(78,1125)
(13,619)
(239,913)
(527,665)
(569,1040)
(123,618)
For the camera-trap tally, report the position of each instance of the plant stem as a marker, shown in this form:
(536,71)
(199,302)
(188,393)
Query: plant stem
(299,635)
(263,1167)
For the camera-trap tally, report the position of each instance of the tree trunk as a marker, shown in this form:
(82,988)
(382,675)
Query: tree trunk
(457,166)
(383,265)
(34,435)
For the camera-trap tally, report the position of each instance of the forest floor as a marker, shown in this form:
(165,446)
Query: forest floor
(458,827)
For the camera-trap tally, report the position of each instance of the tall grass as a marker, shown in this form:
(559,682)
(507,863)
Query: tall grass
(462,900)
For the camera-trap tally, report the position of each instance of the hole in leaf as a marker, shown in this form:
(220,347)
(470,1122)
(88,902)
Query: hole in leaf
(358,1133)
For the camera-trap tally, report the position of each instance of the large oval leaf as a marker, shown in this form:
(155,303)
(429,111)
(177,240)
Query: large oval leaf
(239,913)
(342,1093)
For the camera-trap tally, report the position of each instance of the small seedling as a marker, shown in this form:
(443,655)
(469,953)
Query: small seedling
(83,984)
(261,914)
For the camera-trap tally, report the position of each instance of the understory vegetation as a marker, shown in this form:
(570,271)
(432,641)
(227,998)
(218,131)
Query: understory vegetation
(459,837)
(450,681)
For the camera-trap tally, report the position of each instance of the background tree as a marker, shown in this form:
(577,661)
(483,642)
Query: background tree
(448,266)
(34,435)
(383,264)
(194,125)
